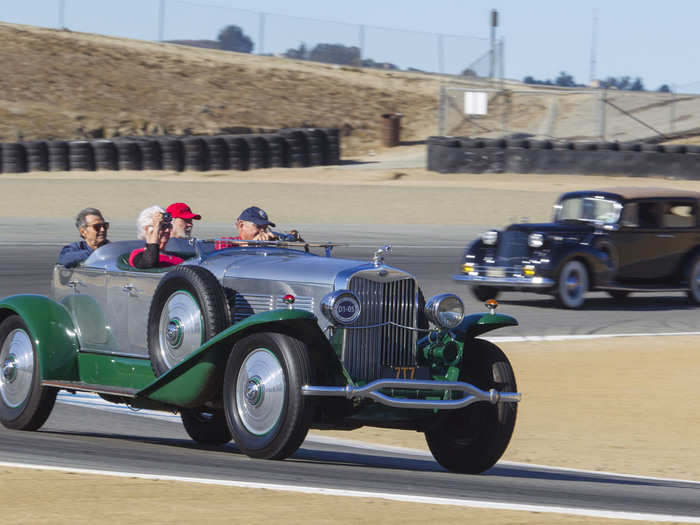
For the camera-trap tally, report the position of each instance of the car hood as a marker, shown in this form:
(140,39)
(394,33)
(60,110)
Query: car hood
(287,266)
(568,227)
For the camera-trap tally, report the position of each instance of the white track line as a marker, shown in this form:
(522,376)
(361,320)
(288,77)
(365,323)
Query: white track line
(639,516)
(542,338)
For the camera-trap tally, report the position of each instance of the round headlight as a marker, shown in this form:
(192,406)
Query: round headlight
(445,310)
(341,306)
(535,240)
(490,237)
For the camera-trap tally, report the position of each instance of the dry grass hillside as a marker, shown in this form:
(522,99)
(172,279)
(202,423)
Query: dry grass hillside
(61,84)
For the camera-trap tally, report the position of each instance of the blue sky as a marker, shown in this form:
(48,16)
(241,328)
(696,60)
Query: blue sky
(652,40)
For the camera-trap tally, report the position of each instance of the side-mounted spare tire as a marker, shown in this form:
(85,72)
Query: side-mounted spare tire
(24,403)
(188,308)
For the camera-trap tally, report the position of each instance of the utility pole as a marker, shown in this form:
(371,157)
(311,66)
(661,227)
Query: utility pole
(62,14)
(492,55)
(161,21)
(594,44)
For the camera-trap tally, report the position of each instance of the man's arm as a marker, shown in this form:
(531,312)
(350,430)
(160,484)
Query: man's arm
(72,255)
(147,258)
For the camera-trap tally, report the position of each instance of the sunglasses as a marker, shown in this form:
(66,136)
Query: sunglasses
(99,226)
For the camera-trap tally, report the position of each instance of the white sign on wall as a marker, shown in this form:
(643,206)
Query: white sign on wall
(476,103)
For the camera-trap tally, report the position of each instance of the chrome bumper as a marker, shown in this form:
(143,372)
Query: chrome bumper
(520,282)
(372,390)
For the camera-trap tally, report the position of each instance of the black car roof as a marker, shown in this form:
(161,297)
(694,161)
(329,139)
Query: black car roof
(629,193)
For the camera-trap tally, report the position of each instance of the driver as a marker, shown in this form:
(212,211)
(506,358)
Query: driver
(153,225)
(253,224)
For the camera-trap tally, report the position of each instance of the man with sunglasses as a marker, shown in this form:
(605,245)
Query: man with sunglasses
(93,230)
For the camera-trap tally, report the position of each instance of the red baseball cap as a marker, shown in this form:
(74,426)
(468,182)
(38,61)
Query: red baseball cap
(180,210)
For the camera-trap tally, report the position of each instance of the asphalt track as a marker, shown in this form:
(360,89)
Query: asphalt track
(121,441)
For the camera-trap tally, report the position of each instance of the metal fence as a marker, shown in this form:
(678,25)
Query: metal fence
(493,110)
(168,20)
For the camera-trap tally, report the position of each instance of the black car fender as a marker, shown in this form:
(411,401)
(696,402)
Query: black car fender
(596,261)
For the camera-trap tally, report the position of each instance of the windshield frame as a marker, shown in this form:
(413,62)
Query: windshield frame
(613,220)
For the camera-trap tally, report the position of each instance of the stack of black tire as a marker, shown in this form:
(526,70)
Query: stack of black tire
(291,147)
(514,155)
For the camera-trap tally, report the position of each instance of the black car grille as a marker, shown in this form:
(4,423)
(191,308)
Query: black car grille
(368,350)
(512,245)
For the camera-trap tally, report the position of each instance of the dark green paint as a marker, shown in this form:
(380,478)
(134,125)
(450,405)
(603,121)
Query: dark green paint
(476,324)
(52,331)
(118,371)
(185,383)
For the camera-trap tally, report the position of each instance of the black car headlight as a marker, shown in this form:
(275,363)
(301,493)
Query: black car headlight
(445,310)
(535,240)
(341,307)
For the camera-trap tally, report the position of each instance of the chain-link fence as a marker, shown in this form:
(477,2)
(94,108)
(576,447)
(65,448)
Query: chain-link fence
(199,23)
(492,110)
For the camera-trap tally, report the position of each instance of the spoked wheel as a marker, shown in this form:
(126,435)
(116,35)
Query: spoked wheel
(188,308)
(694,281)
(572,285)
(484,293)
(265,409)
(24,403)
(206,427)
(470,440)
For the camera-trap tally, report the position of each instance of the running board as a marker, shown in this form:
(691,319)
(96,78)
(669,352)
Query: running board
(641,288)
(86,387)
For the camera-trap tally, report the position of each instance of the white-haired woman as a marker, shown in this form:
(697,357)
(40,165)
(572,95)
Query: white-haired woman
(155,229)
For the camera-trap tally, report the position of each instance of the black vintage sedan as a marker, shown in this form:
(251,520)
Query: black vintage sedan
(620,240)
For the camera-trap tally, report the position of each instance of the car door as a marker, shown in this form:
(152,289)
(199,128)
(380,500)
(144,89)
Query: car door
(644,246)
(680,222)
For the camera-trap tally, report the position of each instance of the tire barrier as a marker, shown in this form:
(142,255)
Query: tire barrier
(105,155)
(290,147)
(58,156)
(37,156)
(477,155)
(128,155)
(81,156)
(14,157)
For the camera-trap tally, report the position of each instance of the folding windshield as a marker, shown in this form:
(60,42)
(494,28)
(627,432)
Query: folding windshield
(589,209)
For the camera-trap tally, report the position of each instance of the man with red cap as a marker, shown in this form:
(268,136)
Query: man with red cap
(182,220)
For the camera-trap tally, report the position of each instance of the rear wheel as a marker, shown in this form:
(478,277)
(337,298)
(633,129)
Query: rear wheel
(694,281)
(572,285)
(266,412)
(208,428)
(470,440)
(24,403)
(484,293)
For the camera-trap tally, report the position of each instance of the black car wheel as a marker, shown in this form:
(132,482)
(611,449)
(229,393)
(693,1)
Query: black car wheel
(572,285)
(188,308)
(484,293)
(470,440)
(694,281)
(265,409)
(208,428)
(24,403)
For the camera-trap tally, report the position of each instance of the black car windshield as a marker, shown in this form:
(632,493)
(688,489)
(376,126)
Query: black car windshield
(589,209)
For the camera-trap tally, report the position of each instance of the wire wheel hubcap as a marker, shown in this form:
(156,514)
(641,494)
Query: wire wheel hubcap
(260,391)
(17,357)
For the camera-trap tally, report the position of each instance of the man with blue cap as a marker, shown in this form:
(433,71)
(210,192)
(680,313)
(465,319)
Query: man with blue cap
(253,224)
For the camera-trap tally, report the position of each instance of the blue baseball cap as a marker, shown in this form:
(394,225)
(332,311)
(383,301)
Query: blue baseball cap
(256,216)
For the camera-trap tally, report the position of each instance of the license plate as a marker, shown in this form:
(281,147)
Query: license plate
(496,272)
(406,372)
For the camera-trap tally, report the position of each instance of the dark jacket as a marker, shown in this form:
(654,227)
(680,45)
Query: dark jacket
(74,253)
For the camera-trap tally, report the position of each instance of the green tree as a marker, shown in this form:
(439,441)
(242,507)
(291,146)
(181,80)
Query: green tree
(232,38)
(335,54)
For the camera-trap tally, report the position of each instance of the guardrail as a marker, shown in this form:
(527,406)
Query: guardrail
(636,159)
(293,148)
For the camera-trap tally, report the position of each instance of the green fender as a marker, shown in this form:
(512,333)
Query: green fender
(51,328)
(476,324)
(190,383)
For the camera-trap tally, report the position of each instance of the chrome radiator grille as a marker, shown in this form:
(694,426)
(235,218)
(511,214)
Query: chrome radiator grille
(367,350)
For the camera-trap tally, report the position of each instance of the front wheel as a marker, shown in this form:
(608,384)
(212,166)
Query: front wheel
(694,281)
(24,403)
(266,412)
(484,293)
(471,439)
(572,285)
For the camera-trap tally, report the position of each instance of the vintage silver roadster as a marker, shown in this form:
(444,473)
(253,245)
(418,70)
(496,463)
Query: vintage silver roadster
(257,343)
